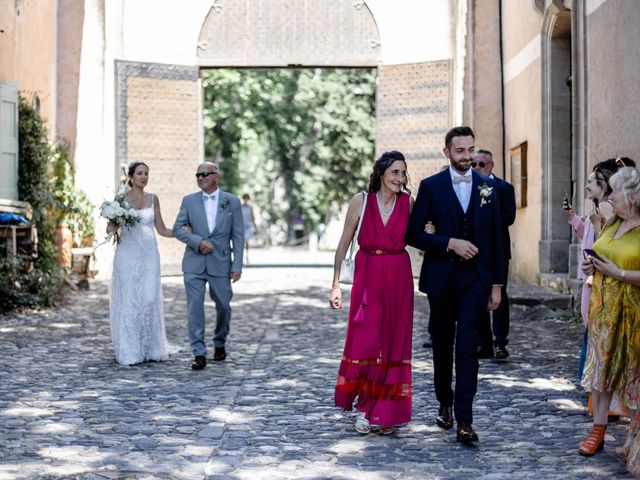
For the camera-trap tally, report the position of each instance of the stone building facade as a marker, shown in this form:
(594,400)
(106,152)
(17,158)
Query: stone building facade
(546,84)
(559,77)
(125,76)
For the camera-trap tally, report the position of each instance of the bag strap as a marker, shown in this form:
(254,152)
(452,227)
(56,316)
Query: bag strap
(354,240)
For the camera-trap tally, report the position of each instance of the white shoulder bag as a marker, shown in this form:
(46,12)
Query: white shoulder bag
(348,265)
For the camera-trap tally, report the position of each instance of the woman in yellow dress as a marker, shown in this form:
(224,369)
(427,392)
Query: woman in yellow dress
(631,449)
(613,348)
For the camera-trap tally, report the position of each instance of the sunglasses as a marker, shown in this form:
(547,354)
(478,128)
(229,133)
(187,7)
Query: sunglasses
(478,164)
(204,174)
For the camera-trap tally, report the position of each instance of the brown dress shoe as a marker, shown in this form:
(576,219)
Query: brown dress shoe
(199,363)
(466,433)
(219,354)
(444,419)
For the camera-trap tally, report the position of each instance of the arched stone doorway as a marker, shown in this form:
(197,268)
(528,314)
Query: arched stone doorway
(158,107)
(557,169)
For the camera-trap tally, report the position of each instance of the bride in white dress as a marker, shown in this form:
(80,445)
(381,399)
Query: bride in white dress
(136,311)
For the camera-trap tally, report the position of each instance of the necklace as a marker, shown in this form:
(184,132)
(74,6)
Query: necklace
(382,212)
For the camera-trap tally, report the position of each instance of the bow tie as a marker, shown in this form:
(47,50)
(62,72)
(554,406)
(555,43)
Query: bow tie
(209,197)
(460,179)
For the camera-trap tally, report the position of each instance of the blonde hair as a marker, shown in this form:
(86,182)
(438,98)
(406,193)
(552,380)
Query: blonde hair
(627,181)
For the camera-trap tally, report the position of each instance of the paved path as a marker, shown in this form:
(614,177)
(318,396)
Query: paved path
(67,410)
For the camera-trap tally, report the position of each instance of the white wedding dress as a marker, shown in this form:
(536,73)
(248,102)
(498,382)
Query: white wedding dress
(136,311)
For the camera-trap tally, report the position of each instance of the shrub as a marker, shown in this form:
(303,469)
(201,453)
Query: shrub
(71,205)
(22,288)
(40,284)
(34,153)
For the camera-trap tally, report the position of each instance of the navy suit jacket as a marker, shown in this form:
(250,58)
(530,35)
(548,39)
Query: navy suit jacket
(507,211)
(436,202)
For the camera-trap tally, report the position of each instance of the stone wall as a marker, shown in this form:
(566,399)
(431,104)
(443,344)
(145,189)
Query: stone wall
(614,76)
(158,120)
(28,51)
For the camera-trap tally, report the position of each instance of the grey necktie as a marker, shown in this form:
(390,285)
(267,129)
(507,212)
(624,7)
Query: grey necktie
(460,179)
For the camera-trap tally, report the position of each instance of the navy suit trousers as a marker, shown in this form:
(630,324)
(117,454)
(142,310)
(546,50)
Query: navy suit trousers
(456,320)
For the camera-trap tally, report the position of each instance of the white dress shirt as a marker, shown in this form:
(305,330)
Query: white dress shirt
(463,190)
(211,208)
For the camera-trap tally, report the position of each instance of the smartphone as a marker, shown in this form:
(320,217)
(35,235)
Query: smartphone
(592,253)
(565,202)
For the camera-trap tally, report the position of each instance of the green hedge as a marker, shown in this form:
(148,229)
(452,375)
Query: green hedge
(41,285)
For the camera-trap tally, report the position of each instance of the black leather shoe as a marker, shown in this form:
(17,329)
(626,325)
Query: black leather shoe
(199,363)
(444,419)
(466,433)
(485,352)
(219,354)
(501,353)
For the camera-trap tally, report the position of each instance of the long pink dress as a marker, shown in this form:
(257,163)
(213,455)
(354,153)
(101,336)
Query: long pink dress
(376,363)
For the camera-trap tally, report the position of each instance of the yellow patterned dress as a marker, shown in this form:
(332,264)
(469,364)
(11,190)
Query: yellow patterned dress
(613,348)
(631,448)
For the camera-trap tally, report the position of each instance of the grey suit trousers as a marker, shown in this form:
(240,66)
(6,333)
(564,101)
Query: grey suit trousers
(220,292)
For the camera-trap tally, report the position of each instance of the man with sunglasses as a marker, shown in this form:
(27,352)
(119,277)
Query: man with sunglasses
(213,255)
(483,164)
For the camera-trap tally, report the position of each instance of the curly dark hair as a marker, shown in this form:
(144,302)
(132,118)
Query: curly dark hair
(381,165)
(132,169)
(605,169)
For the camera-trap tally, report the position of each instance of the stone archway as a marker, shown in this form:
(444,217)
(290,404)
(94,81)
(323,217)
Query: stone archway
(159,110)
(413,100)
(281,33)
(557,170)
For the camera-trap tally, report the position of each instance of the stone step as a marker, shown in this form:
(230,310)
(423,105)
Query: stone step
(532,295)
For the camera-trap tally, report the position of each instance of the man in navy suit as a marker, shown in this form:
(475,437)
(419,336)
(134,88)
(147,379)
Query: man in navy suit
(462,272)
(483,164)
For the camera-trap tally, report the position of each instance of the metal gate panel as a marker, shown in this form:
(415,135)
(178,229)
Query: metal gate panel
(158,122)
(414,113)
(277,33)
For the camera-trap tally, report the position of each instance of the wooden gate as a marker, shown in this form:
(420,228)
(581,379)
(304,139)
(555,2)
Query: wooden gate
(158,121)
(414,113)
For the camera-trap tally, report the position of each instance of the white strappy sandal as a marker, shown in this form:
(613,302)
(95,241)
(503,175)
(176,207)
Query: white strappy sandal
(362,425)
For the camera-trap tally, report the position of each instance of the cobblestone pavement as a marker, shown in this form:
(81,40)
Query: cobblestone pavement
(67,410)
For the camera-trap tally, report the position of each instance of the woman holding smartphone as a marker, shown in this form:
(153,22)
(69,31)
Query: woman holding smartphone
(587,229)
(613,347)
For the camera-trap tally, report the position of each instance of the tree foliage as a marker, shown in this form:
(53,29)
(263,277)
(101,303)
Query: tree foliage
(301,141)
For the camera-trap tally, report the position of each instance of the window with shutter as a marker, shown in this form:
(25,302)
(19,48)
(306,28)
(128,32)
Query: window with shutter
(9,140)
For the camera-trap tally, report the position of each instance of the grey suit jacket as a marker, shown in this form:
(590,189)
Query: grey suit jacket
(227,236)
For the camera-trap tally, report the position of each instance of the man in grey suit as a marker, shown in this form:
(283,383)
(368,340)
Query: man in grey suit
(213,255)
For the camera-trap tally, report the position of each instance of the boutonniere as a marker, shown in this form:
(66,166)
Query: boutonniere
(485,192)
(224,204)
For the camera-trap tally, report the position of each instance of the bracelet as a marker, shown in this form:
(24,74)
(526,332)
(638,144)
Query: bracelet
(622,275)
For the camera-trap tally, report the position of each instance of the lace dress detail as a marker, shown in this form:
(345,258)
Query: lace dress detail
(136,311)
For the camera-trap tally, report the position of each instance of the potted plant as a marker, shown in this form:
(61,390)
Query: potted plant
(72,209)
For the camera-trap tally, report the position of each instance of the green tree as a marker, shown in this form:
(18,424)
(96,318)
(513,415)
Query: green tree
(302,138)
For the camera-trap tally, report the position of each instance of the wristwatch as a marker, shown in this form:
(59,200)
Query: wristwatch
(622,275)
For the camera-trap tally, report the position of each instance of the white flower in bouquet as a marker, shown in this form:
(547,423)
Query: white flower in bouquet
(120,213)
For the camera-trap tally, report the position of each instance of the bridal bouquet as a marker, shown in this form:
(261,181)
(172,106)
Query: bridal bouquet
(119,212)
